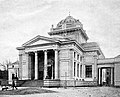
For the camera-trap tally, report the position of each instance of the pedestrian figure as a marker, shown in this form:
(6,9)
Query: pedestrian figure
(14,85)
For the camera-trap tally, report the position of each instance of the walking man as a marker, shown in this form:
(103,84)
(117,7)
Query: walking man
(14,84)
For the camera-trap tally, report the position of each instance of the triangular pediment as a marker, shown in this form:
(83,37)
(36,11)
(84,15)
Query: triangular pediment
(39,40)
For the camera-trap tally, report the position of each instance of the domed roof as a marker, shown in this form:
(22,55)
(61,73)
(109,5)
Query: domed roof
(68,21)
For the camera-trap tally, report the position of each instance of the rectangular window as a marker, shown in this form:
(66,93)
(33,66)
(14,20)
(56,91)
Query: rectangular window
(74,68)
(78,57)
(88,69)
(80,70)
(74,54)
(77,70)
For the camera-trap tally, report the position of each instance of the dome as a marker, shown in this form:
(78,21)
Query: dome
(69,21)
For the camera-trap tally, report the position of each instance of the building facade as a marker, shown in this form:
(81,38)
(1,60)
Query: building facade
(66,56)
(13,71)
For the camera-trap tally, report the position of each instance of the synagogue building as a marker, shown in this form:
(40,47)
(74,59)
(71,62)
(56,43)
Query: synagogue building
(65,57)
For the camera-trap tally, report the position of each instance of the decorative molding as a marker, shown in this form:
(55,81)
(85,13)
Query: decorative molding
(56,49)
(45,50)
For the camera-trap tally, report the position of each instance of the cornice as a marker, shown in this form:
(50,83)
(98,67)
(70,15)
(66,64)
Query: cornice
(20,48)
(60,31)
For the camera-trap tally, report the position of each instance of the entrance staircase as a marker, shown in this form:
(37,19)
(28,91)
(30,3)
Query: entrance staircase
(30,83)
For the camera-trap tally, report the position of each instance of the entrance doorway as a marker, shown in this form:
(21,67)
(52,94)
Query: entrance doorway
(32,65)
(40,65)
(50,65)
(106,76)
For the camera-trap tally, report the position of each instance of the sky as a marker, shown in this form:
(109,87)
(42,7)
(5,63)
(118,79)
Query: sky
(22,20)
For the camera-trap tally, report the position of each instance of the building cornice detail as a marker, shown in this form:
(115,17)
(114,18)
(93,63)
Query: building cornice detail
(60,31)
(108,61)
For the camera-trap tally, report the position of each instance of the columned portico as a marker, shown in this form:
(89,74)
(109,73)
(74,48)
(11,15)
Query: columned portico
(49,69)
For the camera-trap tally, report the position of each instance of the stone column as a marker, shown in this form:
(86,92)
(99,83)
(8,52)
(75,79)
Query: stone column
(56,64)
(36,65)
(52,73)
(99,74)
(83,68)
(111,76)
(45,63)
(76,69)
(25,66)
(29,66)
(20,66)
(79,69)
(83,71)
(95,68)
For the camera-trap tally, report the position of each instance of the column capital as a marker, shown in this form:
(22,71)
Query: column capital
(35,51)
(45,50)
(56,49)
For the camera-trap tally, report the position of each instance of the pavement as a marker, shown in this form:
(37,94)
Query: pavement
(75,92)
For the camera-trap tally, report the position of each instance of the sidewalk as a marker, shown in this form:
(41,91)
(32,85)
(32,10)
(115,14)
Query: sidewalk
(72,92)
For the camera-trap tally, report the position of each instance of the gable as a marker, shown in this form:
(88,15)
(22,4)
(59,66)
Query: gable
(39,40)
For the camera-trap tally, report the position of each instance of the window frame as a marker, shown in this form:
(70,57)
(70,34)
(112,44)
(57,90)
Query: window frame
(88,71)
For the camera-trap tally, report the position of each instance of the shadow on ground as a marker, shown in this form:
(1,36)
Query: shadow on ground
(26,91)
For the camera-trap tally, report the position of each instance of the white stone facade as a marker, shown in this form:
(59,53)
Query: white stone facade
(65,56)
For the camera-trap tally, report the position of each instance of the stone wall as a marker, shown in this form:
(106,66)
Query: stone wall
(64,63)
(117,74)
(77,83)
(24,66)
(90,58)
